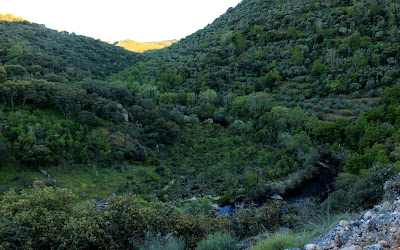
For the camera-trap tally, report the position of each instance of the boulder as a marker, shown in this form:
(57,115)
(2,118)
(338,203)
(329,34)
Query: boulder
(373,247)
(276,197)
(343,223)
(351,248)
(209,121)
(311,247)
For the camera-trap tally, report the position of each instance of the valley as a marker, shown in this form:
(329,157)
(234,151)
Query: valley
(292,98)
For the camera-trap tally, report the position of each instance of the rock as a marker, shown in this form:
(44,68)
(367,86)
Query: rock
(351,248)
(384,243)
(394,229)
(380,224)
(343,223)
(43,172)
(292,249)
(276,197)
(125,113)
(311,247)
(342,237)
(209,121)
(373,247)
(368,215)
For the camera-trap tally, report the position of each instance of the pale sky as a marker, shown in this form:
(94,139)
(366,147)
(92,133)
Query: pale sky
(114,20)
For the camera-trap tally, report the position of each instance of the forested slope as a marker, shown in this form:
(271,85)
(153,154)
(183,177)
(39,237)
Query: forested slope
(304,53)
(43,52)
(252,105)
(281,71)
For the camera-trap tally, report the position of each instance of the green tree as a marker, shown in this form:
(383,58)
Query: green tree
(16,50)
(319,68)
(239,106)
(3,74)
(270,79)
(297,56)
(5,152)
(70,101)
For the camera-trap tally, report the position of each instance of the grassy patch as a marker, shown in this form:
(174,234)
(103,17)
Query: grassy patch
(283,241)
(103,181)
(13,177)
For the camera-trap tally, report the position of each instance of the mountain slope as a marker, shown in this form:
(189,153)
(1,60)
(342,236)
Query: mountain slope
(43,51)
(267,103)
(142,47)
(263,66)
(294,50)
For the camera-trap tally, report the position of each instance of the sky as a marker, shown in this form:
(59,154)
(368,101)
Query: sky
(115,20)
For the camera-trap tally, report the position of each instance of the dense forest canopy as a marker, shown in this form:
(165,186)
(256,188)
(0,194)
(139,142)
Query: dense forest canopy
(250,106)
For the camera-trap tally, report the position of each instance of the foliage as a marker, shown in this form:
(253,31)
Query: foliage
(47,218)
(355,192)
(284,241)
(217,241)
(242,109)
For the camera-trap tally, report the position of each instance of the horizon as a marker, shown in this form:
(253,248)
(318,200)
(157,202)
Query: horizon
(150,21)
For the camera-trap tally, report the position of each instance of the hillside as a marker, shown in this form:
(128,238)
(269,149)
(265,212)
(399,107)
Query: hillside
(282,113)
(262,67)
(142,47)
(324,56)
(43,52)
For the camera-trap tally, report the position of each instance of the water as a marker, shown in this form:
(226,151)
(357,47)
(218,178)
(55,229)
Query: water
(318,187)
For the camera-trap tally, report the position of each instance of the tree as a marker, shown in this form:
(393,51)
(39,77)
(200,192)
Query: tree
(5,152)
(297,57)
(207,99)
(269,80)
(88,118)
(70,101)
(15,71)
(39,155)
(16,50)
(3,74)
(239,106)
(9,91)
(257,103)
(319,68)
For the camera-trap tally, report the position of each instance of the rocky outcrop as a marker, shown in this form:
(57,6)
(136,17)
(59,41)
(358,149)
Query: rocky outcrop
(378,228)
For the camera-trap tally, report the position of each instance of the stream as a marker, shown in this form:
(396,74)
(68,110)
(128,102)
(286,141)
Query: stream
(317,187)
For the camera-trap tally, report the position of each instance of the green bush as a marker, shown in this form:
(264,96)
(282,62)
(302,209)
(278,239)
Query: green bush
(283,241)
(48,218)
(217,241)
(354,192)
(270,216)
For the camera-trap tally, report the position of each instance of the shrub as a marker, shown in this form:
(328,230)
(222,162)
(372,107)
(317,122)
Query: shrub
(47,218)
(131,219)
(88,118)
(217,241)
(270,216)
(362,191)
(284,241)
(165,244)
